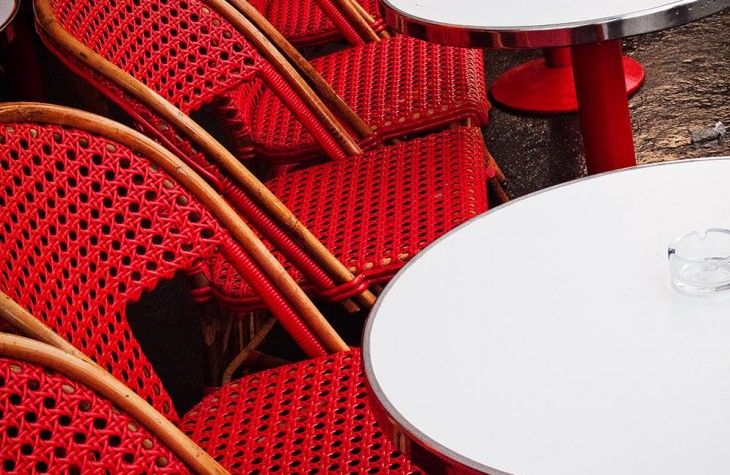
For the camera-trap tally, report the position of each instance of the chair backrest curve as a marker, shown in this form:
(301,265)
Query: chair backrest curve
(90,225)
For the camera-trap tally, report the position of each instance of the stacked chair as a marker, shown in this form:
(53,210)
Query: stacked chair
(418,74)
(395,88)
(384,90)
(96,214)
(340,227)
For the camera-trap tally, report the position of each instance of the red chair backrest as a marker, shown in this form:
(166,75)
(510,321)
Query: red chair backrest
(88,226)
(184,51)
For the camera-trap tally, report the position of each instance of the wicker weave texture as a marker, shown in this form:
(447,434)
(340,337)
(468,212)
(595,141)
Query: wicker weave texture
(312,417)
(52,424)
(88,228)
(182,50)
(398,86)
(303,23)
(377,211)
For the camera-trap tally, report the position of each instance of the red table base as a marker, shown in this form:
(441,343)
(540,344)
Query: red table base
(605,122)
(546,85)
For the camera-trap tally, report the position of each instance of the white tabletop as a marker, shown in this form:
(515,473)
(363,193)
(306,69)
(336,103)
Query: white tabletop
(539,23)
(544,337)
(8,8)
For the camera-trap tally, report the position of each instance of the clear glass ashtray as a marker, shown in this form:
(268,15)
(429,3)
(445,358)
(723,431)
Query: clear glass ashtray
(700,261)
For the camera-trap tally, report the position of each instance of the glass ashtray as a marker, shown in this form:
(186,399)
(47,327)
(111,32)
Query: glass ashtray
(700,261)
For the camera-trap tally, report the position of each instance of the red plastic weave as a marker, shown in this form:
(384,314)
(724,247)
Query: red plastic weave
(162,20)
(311,417)
(52,424)
(304,24)
(149,122)
(374,213)
(398,86)
(88,227)
(184,51)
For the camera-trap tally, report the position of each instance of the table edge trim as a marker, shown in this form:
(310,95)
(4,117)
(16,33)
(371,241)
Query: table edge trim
(548,36)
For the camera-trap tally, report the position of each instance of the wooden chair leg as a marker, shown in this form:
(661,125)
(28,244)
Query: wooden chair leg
(215,328)
(494,185)
(497,171)
(496,192)
(247,350)
(491,161)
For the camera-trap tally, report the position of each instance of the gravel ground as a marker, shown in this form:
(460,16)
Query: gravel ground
(687,89)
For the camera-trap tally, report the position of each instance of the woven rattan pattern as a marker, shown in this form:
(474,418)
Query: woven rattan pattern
(51,424)
(398,86)
(302,22)
(181,49)
(88,228)
(376,212)
(313,417)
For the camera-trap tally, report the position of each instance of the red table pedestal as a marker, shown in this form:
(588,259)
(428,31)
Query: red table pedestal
(603,109)
(546,86)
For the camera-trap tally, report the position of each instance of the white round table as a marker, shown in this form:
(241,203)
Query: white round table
(544,337)
(592,30)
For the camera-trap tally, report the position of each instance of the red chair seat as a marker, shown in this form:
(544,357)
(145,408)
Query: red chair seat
(303,23)
(376,211)
(397,86)
(334,432)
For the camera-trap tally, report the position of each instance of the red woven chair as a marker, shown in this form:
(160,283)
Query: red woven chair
(378,211)
(411,116)
(325,274)
(64,414)
(96,215)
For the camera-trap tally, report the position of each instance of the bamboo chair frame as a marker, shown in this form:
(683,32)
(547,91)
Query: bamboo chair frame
(355,14)
(57,115)
(205,142)
(96,378)
(40,345)
(369,19)
(355,28)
